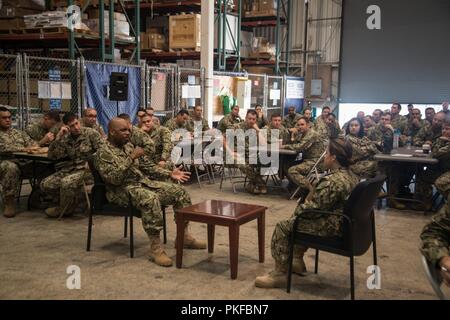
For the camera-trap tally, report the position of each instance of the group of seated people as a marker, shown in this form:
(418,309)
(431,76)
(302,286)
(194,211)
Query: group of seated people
(135,163)
(368,136)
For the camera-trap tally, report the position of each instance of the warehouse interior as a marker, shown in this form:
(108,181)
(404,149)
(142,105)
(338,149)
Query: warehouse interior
(177,62)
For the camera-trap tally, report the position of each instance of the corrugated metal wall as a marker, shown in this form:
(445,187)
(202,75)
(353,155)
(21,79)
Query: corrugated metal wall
(324,30)
(323,35)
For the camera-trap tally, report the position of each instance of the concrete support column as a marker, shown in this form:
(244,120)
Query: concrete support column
(207,55)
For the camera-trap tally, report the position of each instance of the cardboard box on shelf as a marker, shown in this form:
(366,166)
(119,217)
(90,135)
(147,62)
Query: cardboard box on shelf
(157,41)
(11,23)
(155,30)
(7,87)
(80,3)
(30,4)
(120,27)
(157,24)
(94,13)
(267,5)
(184,31)
(168,65)
(260,70)
(12,12)
(143,40)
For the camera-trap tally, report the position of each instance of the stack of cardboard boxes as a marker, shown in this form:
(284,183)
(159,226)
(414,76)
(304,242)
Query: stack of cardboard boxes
(13,11)
(185,32)
(154,38)
(260,8)
(262,49)
(121,25)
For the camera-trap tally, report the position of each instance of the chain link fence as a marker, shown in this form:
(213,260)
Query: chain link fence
(161,91)
(11,87)
(274,95)
(191,86)
(50,84)
(31,85)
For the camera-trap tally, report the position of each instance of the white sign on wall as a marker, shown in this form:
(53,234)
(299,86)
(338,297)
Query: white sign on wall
(295,89)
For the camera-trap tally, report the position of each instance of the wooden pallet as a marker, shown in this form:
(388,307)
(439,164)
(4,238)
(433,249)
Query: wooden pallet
(86,32)
(261,56)
(49,30)
(196,49)
(10,31)
(258,14)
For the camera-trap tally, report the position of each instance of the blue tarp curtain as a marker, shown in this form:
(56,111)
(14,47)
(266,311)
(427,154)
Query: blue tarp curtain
(97,83)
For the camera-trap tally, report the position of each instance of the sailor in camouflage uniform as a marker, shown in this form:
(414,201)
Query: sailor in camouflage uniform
(229,120)
(320,125)
(382,133)
(291,119)
(181,121)
(435,244)
(89,120)
(429,134)
(261,120)
(197,119)
(252,170)
(415,124)
(73,145)
(333,128)
(363,150)
(45,130)
(330,194)
(399,122)
(118,165)
(276,124)
(158,165)
(12,140)
(438,174)
(312,146)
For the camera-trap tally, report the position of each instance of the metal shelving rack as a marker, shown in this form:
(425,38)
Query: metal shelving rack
(281,20)
(107,46)
(223,10)
(229,60)
(170,7)
(75,41)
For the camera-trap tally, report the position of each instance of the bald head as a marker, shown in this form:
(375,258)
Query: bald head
(118,131)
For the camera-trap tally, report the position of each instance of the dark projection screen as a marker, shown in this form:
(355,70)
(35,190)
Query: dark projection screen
(407,61)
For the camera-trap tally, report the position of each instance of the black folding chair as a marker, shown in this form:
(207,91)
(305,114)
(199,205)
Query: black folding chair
(434,278)
(101,206)
(359,230)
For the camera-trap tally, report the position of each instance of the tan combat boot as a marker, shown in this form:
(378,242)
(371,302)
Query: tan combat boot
(157,254)
(9,207)
(298,264)
(190,242)
(54,212)
(396,204)
(274,279)
(262,189)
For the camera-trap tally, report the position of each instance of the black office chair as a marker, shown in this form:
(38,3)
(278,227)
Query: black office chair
(359,230)
(101,206)
(434,278)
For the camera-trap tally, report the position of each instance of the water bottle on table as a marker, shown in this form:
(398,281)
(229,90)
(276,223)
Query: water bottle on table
(396,138)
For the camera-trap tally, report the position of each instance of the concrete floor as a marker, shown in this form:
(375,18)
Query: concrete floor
(36,251)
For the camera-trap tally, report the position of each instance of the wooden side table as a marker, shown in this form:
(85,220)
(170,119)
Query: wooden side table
(223,213)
